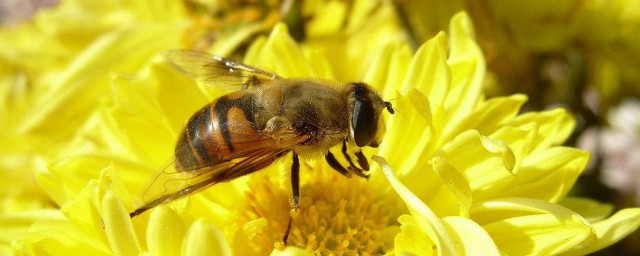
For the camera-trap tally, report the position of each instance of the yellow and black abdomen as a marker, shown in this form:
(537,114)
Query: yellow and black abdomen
(221,131)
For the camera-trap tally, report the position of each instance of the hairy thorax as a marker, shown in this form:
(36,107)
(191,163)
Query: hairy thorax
(316,110)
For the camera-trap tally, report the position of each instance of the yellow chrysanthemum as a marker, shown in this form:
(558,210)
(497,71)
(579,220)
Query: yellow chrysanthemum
(50,92)
(51,80)
(475,176)
(548,49)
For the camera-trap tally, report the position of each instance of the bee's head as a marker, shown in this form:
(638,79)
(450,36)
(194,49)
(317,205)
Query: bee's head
(365,108)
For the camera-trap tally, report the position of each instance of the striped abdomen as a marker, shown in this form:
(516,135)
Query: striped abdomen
(221,131)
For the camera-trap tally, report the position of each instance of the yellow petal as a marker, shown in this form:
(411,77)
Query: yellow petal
(61,237)
(469,237)
(423,89)
(412,239)
(75,93)
(118,227)
(522,226)
(494,113)
(177,96)
(14,225)
(291,251)
(165,232)
(66,178)
(395,70)
(467,68)
(429,72)
(426,219)
(130,105)
(406,124)
(380,75)
(205,239)
(590,209)
(327,25)
(421,103)
(610,231)
(499,147)
(280,46)
(482,160)
(554,126)
(548,174)
(457,184)
(229,42)
(84,209)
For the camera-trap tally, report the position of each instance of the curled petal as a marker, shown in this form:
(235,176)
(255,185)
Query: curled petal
(425,218)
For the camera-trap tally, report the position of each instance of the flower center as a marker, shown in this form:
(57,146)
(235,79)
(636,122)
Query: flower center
(337,215)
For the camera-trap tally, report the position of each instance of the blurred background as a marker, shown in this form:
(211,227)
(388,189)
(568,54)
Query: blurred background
(583,55)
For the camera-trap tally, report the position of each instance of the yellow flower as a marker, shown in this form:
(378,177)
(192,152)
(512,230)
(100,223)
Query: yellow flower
(350,34)
(479,177)
(54,73)
(536,45)
(51,79)
(475,176)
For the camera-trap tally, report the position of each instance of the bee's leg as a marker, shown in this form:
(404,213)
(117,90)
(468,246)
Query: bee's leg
(295,190)
(252,81)
(295,181)
(335,165)
(346,154)
(362,160)
(353,167)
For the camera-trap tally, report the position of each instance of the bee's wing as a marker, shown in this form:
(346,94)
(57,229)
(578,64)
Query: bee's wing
(214,70)
(172,184)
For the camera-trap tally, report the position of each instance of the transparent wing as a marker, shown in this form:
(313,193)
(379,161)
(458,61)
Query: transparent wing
(215,70)
(257,152)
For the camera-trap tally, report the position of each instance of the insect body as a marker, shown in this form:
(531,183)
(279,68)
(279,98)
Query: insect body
(247,130)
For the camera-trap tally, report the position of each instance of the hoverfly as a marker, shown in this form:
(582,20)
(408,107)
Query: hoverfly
(271,116)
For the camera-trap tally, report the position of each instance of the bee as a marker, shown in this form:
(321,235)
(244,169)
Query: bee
(267,118)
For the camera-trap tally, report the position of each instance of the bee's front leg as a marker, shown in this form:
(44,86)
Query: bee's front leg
(362,161)
(335,165)
(295,190)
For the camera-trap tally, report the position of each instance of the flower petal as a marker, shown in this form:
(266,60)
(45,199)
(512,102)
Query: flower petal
(118,227)
(429,72)
(548,174)
(467,67)
(425,218)
(469,237)
(522,226)
(13,226)
(412,239)
(588,208)
(494,113)
(456,184)
(60,237)
(75,92)
(611,230)
(475,155)
(554,126)
(291,251)
(291,61)
(499,147)
(205,239)
(165,232)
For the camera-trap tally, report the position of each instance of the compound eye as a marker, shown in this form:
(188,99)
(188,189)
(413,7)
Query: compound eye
(364,122)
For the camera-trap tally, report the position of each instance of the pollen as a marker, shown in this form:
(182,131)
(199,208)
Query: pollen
(337,215)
